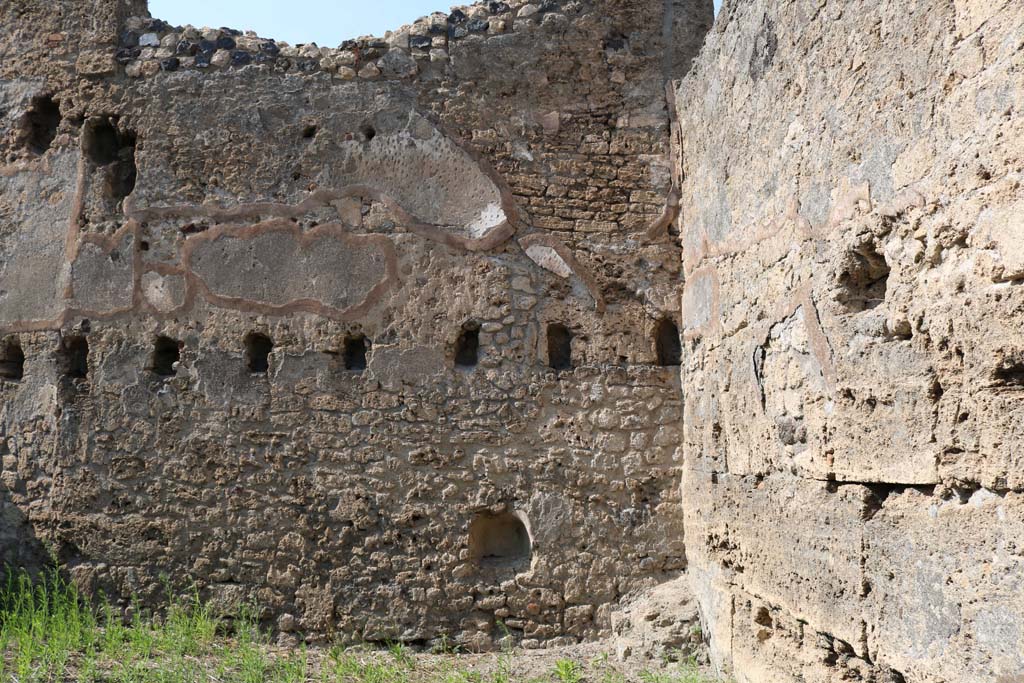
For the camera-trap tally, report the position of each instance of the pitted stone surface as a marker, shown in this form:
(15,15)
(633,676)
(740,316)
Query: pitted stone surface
(852,385)
(831,197)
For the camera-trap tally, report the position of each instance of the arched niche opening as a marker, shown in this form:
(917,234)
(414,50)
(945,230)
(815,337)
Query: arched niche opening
(74,357)
(109,147)
(355,350)
(12,359)
(667,346)
(41,123)
(559,347)
(467,346)
(166,354)
(257,352)
(500,540)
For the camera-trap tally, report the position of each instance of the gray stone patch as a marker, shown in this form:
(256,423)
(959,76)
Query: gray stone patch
(103,281)
(163,292)
(224,379)
(278,269)
(32,239)
(394,367)
(431,178)
(291,369)
(698,302)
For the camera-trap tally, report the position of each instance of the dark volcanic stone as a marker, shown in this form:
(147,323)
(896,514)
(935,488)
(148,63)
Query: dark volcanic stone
(240,58)
(420,42)
(129,39)
(615,42)
(203,60)
(226,43)
(477,26)
(186,47)
(127,54)
(207,46)
(170,64)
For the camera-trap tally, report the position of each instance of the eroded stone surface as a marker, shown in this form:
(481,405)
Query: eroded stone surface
(837,471)
(851,383)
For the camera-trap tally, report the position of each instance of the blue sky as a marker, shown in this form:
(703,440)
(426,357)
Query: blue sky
(325,22)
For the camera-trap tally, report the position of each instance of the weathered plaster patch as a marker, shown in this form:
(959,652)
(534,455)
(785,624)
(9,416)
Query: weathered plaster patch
(277,267)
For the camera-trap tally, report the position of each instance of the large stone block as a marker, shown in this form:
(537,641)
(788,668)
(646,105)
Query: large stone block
(945,580)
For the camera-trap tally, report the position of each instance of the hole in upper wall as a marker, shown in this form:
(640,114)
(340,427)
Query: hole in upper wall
(100,141)
(41,123)
(113,150)
(499,540)
(355,352)
(1009,374)
(559,347)
(368,132)
(467,346)
(309,132)
(864,279)
(12,359)
(257,352)
(667,345)
(615,41)
(166,354)
(73,357)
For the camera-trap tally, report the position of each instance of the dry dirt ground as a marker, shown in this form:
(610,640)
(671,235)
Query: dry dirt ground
(586,663)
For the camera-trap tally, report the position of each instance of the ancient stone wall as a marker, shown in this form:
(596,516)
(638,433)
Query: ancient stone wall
(379,337)
(382,337)
(852,223)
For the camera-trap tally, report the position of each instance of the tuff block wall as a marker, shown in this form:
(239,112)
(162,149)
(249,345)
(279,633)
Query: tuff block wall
(236,282)
(851,230)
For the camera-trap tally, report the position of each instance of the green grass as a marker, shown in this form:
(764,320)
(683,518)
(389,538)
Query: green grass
(568,671)
(684,671)
(51,634)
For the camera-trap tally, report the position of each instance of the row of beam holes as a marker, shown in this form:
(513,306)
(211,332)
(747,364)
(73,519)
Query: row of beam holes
(258,347)
(667,346)
(167,354)
(74,352)
(72,358)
